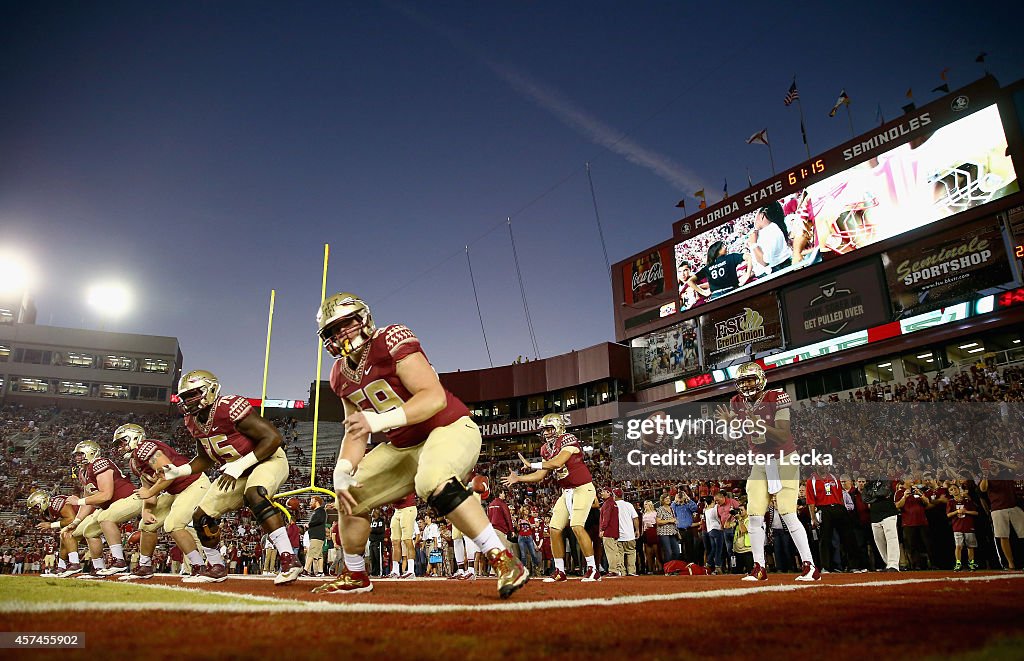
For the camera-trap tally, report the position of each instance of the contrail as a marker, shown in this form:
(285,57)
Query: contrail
(564,109)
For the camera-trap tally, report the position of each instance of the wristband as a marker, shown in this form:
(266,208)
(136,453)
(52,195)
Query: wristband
(244,462)
(387,420)
(55,525)
(537,465)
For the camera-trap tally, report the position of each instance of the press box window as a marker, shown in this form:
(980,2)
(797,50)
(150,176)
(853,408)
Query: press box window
(117,363)
(36,357)
(535,404)
(5,353)
(73,388)
(113,392)
(72,359)
(155,366)
(26,384)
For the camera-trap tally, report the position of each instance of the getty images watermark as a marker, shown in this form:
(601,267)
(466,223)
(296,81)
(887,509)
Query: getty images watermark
(658,432)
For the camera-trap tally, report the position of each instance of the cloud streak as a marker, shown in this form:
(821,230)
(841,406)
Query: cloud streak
(563,109)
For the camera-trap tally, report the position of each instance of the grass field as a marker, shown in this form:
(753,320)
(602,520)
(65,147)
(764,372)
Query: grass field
(920,615)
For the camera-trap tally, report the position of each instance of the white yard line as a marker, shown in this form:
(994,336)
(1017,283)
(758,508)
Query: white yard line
(331,603)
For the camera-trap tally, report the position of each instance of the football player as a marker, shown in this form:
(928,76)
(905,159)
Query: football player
(387,385)
(771,407)
(403,523)
(166,503)
(109,501)
(563,455)
(57,513)
(247,449)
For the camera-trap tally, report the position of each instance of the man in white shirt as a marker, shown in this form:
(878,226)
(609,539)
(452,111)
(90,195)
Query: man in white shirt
(431,539)
(716,538)
(629,528)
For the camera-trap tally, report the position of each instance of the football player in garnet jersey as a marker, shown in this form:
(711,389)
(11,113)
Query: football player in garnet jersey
(106,487)
(58,513)
(562,454)
(247,449)
(166,503)
(387,385)
(771,407)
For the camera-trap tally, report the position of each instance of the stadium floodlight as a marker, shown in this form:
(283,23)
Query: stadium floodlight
(110,299)
(15,273)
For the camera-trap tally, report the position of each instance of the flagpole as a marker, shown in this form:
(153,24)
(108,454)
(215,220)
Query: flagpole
(803,128)
(849,116)
(771,158)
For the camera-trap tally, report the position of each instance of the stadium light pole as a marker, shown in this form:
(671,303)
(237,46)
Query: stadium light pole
(16,278)
(109,299)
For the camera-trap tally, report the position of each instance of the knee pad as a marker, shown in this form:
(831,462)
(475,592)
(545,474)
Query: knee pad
(207,529)
(452,494)
(260,505)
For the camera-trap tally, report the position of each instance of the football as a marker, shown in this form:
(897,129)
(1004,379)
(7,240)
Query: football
(480,485)
(293,504)
(135,537)
(652,437)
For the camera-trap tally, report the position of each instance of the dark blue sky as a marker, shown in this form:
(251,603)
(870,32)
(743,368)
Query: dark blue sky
(205,152)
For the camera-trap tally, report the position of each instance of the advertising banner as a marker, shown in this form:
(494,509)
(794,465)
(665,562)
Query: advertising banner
(957,264)
(747,328)
(835,303)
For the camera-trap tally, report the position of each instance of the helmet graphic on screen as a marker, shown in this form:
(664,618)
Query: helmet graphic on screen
(964,186)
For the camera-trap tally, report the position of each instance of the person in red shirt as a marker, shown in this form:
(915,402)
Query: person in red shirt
(1002,498)
(609,532)
(961,512)
(825,495)
(912,502)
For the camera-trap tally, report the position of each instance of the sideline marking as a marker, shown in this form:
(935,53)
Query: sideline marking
(315,607)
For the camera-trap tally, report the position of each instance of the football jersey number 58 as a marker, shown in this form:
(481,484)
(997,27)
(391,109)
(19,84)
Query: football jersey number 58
(380,395)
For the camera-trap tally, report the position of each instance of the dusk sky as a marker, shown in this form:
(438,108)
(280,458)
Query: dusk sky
(205,152)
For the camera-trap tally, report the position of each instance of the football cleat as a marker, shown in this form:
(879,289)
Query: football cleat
(89,576)
(512,575)
(348,583)
(972,565)
(557,576)
(459,573)
(408,574)
(290,569)
(756,574)
(141,572)
(808,572)
(211,574)
(119,567)
(393,574)
(468,576)
(70,570)
(592,575)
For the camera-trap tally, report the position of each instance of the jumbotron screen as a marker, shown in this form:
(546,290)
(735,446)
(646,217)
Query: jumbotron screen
(959,166)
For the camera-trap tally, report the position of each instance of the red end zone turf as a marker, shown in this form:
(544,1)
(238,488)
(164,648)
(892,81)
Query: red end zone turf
(910,618)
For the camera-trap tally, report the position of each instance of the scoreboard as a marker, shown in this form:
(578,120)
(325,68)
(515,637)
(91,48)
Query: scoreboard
(930,165)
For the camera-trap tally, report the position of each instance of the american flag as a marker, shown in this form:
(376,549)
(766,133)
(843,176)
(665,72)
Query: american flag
(792,95)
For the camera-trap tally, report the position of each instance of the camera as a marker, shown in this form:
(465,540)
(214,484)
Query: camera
(733,511)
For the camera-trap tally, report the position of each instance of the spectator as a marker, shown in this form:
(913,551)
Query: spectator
(501,518)
(668,534)
(317,531)
(713,536)
(1006,513)
(526,526)
(741,542)
(962,511)
(609,533)
(378,527)
(650,538)
(826,500)
(629,529)
(726,505)
(879,497)
(912,500)
(684,508)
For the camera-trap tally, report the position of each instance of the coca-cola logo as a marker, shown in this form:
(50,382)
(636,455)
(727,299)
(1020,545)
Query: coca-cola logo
(656,272)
